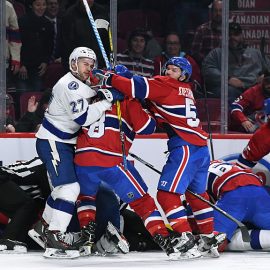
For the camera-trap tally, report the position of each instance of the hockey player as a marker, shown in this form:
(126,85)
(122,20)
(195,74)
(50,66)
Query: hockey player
(24,187)
(173,105)
(241,194)
(247,110)
(67,112)
(98,159)
(259,144)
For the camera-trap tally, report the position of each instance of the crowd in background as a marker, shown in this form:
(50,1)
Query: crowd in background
(42,33)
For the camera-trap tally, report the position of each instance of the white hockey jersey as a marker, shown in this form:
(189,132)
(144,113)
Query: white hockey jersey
(69,110)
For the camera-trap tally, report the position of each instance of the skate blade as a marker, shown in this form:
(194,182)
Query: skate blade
(122,243)
(54,253)
(36,237)
(85,250)
(15,250)
(185,256)
(212,253)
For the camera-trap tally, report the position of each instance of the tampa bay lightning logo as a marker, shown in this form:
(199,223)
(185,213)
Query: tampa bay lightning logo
(73,85)
(262,168)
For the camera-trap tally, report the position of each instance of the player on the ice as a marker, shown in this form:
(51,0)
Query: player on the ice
(259,144)
(240,193)
(67,112)
(173,105)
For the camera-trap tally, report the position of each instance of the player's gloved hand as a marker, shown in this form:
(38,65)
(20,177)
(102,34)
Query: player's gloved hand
(123,71)
(96,72)
(111,95)
(103,78)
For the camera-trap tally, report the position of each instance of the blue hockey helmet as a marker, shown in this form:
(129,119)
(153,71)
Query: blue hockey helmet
(267,106)
(183,64)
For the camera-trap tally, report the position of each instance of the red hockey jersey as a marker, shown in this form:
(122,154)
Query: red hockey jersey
(224,177)
(250,101)
(100,145)
(258,146)
(172,102)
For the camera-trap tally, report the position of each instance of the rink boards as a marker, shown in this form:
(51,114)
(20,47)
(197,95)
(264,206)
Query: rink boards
(21,146)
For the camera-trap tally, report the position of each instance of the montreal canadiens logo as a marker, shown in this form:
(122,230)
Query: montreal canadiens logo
(262,168)
(73,85)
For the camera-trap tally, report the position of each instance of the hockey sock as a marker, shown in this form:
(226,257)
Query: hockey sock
(174,210)
(61,215)
(146,208)
(260,240)
(202,212)
(47,213)
(86,209)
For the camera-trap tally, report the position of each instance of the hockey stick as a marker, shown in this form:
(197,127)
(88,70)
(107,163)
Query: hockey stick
(118,108)
(208,122)
(99,41)
(242,227)
(108,66)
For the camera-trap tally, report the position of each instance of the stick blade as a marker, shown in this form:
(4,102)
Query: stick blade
(245,234)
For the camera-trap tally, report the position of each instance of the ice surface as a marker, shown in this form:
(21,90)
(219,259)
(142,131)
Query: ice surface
(138,261)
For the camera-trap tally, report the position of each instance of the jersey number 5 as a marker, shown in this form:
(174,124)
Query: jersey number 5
(191,115)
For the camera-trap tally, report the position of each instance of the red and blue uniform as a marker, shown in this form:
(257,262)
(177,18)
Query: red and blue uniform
(241,194)
(172,103)
(249,106)
(258,147)
(98,159)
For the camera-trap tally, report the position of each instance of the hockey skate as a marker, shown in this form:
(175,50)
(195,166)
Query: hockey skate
(179,246)
(12,246)
(208,244)
(112,241)
(38,233)
(59,245)
(86,241)
(185,244)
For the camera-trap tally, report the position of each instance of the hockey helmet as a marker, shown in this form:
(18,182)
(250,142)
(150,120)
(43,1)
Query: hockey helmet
(81,52)
(267,106)
(183,64)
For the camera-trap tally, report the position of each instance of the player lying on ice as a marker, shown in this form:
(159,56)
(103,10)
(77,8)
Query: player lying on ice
(241,194)
(24,187)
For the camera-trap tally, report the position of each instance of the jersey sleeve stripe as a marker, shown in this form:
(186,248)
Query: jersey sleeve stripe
(141,88)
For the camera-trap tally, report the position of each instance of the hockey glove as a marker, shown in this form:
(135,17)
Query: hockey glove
(104,79)
(111,95)
(123,71)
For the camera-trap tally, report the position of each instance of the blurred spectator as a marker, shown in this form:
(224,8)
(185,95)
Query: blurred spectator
(31,120)
(183,11)
(37,45)
(247,112)
(51,14)
(77,31)
(133,58)
(19,7)
(245,66)
(172,47)
(10,121)
(208,35)
(13,44)
(153,48)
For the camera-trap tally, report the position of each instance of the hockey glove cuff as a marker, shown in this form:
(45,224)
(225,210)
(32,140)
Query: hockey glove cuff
(111,95)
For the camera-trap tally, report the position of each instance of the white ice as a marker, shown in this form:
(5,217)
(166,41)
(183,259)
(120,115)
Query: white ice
(138,261)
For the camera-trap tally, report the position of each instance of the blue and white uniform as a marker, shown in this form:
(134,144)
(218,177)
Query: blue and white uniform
(68,110)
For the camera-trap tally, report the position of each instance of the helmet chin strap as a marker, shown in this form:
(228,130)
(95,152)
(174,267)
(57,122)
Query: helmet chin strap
(76,72)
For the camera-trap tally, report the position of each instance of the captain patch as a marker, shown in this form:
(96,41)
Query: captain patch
(73,85)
